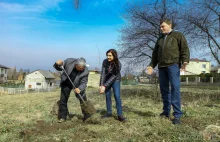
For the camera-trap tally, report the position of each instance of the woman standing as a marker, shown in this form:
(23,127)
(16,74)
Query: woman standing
(110,78)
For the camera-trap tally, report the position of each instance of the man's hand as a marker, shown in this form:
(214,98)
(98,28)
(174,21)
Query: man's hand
(59,62)
(149,70)
(77,91)
(101,89)
(184,65)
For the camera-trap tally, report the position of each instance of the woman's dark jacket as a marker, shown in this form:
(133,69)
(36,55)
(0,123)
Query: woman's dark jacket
(109,73)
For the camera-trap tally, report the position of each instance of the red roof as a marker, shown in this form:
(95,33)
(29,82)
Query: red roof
(198,60)
(4,67)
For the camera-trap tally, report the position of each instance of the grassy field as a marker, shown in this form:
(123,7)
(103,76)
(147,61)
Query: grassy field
(27,118)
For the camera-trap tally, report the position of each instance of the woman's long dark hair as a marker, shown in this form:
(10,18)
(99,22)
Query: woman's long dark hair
(115,60)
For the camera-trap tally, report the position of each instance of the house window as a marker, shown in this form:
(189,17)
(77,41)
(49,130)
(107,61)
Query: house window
(38,83)
(203,72)
(203,65)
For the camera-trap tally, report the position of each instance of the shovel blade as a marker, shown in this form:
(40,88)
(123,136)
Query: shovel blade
(88,107)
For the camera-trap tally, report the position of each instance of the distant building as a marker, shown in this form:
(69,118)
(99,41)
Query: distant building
(39,79)
(196,67)
(3,73)
(94,72)
(215,69)
(94,78)
(21,77)
(57,81)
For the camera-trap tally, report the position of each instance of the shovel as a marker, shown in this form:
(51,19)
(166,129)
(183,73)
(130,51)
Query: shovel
(87,106)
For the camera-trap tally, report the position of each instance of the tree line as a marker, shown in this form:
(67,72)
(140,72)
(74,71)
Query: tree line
(199,20)
(13,74)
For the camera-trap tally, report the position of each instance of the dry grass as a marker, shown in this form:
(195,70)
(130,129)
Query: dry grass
(27,118)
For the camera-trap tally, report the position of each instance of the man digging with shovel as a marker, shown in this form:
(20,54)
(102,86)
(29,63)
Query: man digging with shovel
(74,77)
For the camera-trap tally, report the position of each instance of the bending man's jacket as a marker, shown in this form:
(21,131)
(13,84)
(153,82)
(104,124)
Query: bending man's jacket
(109,73)
(81,78)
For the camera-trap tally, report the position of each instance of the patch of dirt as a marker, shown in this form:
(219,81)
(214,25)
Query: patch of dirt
(45,128)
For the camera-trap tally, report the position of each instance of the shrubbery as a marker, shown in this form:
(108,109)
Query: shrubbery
(12,85)
(203,77)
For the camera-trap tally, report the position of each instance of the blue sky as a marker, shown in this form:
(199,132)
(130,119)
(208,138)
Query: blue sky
(36,33)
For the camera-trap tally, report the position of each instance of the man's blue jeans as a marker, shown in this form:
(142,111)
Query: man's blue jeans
(170,75)
(117,91)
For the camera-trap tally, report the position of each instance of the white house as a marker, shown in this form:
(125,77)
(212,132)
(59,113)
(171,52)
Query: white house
(196,67)
(3,73)
(39,79)
(215,69)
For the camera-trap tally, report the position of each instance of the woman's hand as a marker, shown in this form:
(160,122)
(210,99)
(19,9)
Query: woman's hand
(102,89)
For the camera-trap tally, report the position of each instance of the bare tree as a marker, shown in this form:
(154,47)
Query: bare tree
(204,16)
(139,35)
(76,3)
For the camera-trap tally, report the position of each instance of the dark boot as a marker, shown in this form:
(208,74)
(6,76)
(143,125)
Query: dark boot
(86,117)
(176,121)
(122,119)
(163,114)
(106,116)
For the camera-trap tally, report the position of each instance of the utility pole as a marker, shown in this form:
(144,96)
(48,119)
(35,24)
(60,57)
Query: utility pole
(99,55)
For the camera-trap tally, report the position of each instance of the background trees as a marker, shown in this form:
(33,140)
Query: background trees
(199,20)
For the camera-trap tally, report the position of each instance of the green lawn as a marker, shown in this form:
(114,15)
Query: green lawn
(27,118)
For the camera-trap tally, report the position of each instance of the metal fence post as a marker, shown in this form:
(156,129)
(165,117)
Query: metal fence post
(187,81)
(198,79)
(211,79)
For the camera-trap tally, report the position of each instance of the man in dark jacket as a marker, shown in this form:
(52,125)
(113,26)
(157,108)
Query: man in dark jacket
(171,53)
(78,73)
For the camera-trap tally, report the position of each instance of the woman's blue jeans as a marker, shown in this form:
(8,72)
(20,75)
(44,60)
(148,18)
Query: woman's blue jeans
(117,91)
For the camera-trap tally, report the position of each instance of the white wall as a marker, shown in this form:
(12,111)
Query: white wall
(35,80)
(4,72)
(198,67)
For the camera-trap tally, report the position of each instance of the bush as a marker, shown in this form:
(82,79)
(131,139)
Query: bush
(191,78)
(203,77)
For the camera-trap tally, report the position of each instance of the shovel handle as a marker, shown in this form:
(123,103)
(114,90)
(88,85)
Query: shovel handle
(72,82)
